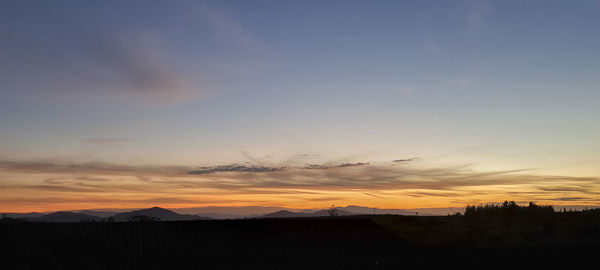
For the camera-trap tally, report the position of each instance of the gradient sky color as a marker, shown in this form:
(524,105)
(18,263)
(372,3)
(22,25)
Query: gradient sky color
(396,104)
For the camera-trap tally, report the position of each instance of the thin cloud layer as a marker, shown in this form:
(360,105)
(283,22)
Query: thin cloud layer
(248,179)
(90,168)
(136,66)
(324,167)
(235,168)
(77,55)
(405,160)
(94,64)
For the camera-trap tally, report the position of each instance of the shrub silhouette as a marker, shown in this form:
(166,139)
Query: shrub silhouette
(143,218)
(332,211)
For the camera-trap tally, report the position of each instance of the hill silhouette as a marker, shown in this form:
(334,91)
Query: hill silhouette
(23,215)
(320,213)
(98,213)
(285,214)
(64,216)
(370,210)
(222,212)
(155,212)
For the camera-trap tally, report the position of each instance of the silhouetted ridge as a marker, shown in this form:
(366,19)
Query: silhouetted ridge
(63,216)
(104,214)
(155,213)
(286,214)
(320,213)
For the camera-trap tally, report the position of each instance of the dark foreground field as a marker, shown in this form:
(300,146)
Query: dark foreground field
(363,242)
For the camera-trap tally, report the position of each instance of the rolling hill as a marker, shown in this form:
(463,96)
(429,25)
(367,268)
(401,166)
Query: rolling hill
(320,213)
(155,212)
(65,217)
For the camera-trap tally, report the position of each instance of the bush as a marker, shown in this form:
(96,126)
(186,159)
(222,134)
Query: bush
(143,218)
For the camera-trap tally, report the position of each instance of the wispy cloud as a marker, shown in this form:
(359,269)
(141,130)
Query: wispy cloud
(322,166)
(84,58)
(92,168)
(254,183)
(235,168)
(94,64)
(349,176)
(137,66)
(405,160)
(225,27)
(372,195)
(571,199)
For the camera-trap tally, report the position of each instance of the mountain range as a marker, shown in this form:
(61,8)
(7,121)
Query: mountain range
(227,212)
(63,216)
(155,213)
(230,212)
(215,212)
(320,213)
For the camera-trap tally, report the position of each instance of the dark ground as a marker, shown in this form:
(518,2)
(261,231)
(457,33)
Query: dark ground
(362,242)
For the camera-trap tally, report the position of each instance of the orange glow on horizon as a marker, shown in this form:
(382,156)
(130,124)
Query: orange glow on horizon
(53,188)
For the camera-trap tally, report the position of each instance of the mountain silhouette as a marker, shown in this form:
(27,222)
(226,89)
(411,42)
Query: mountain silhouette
(222,216)
(98,213)
(369,211)
(285,214)
(63,216)
(155,212)
(213,212)
(320,213)
(339,212)
(23,215)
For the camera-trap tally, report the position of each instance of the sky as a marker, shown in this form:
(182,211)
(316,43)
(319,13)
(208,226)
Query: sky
(301,104)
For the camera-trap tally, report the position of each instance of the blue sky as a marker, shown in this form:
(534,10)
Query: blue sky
(491,85)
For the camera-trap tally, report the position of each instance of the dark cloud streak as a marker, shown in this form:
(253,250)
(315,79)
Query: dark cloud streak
(405,160)
(324,167)
(235,168)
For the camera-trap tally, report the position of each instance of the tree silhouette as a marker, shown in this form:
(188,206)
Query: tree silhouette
(332,211)
(143,218)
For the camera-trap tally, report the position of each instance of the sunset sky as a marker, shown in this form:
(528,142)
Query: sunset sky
(300,104)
